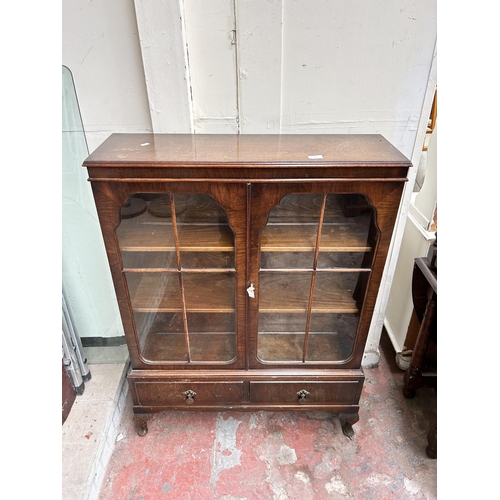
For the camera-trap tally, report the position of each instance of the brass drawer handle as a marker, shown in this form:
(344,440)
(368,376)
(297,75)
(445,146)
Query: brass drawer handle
(189,396)
(303,395)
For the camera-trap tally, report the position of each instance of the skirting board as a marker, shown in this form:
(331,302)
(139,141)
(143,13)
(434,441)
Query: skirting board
(392,337)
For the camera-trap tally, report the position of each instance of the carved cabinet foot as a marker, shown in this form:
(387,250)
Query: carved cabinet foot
(347,420)
(142,424)
(412,381)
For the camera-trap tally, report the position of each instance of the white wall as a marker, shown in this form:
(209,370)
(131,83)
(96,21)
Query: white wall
(296,66)
(357,67)
(100,46)
(416,241)
(253,66)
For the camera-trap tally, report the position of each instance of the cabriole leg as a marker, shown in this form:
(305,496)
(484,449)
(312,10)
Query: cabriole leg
(142,423)
(347,420)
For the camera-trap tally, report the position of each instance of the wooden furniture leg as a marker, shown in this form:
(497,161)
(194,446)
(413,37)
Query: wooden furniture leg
(347,420)
(142,420)
(413,375)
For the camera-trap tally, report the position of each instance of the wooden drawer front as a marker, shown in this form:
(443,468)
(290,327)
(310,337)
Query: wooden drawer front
(172,393)
(319,392)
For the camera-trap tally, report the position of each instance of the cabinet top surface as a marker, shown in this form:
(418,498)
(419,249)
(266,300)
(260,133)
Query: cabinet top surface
(245,149)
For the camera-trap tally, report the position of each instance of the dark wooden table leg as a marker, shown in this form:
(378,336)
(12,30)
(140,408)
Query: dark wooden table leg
(413,375)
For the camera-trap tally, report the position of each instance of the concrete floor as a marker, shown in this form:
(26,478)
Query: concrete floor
(283,456)
(88,435)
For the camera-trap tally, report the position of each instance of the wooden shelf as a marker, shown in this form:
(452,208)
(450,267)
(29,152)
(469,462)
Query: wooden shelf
(214,292)
(137,236)
(159,237)
(289,347)
(203,347)
(289,292)
(302,238)
(204,292)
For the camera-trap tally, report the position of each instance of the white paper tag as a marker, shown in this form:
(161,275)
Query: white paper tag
(251,291)
(315,157)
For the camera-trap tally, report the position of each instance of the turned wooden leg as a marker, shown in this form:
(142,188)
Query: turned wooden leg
(142,423)
(347,420)
(413,375)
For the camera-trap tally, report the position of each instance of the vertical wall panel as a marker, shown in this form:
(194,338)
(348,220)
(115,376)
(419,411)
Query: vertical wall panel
(210,33)
(259,26)
(166,66)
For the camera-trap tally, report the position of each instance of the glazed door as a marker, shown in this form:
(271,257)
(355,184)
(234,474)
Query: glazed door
(310,267)
(180,267)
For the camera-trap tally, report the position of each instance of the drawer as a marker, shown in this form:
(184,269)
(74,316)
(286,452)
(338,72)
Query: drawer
(176,393)
(337,392)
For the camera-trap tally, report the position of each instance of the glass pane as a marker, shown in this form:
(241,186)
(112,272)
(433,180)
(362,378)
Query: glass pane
(281,336)
(284,292)
(180,274)
(157,309)
(86,276)
(211,336)
(289,239)
(331,336)
(209,292)
(333,292)
(147,240)
(332,260)
(345,232)
(286,260)
(334,316)
(293,328)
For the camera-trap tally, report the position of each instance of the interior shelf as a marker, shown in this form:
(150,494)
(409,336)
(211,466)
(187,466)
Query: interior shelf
(154,236)
(302,238)
(160,292)
(203,347)
(290,347)
(289,292)
(144,236)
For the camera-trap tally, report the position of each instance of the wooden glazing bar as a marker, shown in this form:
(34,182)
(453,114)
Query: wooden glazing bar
(313,277)
(181,283)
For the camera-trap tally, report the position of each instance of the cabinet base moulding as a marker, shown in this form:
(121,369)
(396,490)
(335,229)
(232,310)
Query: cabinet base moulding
(155,393)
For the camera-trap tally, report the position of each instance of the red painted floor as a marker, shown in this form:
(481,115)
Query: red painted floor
(283,456)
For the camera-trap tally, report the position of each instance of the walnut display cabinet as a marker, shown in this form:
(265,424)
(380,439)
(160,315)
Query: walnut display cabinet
(246,267)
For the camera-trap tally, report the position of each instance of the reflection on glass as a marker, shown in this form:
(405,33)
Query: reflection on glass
(316,254)
(177,251)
